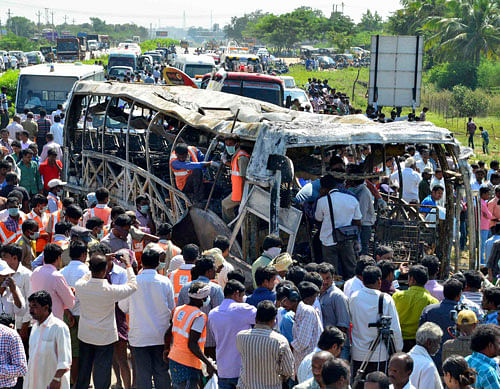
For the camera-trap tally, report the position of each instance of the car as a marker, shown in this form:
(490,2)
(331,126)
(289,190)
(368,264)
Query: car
(35,57)
(297,93)
(21,58)
(120,72)
(262,51)
(289,81)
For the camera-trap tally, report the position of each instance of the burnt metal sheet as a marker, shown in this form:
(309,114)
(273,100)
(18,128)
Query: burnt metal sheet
(299,129)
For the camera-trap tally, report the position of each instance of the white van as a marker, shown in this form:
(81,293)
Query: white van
(194,65)
(43,87)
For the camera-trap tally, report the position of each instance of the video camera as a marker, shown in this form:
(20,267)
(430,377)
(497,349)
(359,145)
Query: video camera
(383,324)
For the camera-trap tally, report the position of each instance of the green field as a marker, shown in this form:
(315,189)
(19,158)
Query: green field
(343,81)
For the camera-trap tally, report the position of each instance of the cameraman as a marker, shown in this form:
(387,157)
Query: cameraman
(363,306)
(466,323)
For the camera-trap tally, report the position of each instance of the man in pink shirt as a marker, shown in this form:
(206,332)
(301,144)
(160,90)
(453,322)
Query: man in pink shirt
(48,278)
(494,206)
(486,218)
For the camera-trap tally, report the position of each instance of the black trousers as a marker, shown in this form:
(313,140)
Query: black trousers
(99,358)
(342,257)
(149,365)
(4,119)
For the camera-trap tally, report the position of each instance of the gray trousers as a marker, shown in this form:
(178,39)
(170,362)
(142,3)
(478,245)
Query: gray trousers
(342,257)
(150,365)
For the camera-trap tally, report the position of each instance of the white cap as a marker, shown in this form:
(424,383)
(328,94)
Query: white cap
(408,163)
(5,269)
(56,182)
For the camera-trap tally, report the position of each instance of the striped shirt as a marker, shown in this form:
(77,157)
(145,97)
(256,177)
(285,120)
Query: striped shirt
(266,358)
(12,357)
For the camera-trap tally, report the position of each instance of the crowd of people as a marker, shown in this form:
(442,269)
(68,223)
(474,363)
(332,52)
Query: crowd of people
(85,292)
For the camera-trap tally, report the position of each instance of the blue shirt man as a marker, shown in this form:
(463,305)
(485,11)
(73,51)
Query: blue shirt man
(485,344)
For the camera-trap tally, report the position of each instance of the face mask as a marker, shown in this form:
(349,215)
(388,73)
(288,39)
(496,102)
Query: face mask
(35,235)
(206,303)
(100,235)
(13,212)
(144,208)
(274,252)
(231,149)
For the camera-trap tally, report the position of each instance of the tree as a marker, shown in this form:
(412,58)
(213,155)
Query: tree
(238,25)
(21,26)
(98,25)
(471,28)
(370,22)
(13,42)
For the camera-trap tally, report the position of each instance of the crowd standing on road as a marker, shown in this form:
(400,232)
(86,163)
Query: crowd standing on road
(85,292)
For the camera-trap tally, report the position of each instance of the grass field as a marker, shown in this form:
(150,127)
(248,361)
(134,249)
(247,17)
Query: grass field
(343,81)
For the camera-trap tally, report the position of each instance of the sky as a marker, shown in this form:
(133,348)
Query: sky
(163,13)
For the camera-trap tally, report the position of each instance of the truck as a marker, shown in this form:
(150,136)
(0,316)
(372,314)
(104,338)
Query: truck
(69,49)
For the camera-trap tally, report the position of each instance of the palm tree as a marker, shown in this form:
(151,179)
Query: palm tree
(469,29)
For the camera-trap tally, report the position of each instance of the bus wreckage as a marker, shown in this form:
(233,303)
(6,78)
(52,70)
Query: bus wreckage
(120,136)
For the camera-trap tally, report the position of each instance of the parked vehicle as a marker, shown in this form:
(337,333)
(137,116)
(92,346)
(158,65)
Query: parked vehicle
(301,95)
(256,86)
(22,60)
(288,81)
(120,72)
(194,65)
(44,86)
(68,49)
(35,57)
(123,57)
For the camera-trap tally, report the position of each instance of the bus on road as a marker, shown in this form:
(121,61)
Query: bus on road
(43,87)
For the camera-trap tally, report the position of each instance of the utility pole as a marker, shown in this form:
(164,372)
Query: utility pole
(342,8)
(9,14)
(52,13)
(73,21)
(38,14)
(46,16)
(65,19)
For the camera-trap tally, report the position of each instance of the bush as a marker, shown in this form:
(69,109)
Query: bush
(154,43)
(488,74)
(468,102)
(447,75)
(9,80)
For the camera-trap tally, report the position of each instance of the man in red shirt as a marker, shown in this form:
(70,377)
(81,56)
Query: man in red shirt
(51,168)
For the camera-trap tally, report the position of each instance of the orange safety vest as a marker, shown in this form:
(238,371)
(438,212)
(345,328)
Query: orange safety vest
(56,199)
(179,278)
(182,320)
(8,236)
(42,223)
(237,180)
(55,218)
(182,175)
(138,248)
(102,213)
(64,244)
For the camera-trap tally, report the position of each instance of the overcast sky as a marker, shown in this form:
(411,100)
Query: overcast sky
(170,13)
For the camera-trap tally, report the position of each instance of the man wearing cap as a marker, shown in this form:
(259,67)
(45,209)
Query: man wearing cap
(55,189)
(220,264)
(11,299)
(281,263)
(460,345)
(411,180)
(188,328)
(424,188)
(50,170)
(101,209)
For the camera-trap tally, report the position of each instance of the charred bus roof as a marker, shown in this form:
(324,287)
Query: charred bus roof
(213,112)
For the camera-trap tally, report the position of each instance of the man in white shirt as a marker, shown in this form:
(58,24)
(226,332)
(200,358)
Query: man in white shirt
(15,127)
(50,346)
(364,308)
(399,371)
(73,272)
(150,309)
(411,179)
(355,283)
(50,145)
(424,161)
(57,130)
(346,212)
(425,373)
(12,302)
(97,330)
(12,254)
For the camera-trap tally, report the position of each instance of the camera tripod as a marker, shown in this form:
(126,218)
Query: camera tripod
(384,336)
